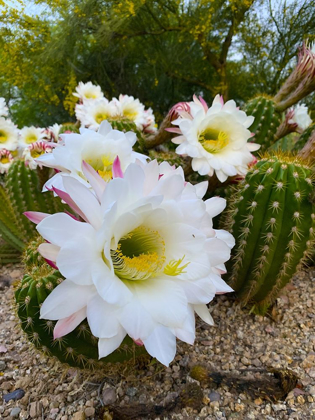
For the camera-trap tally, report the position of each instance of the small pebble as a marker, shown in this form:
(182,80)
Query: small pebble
(214,396)
(15,395)
(2,365)
(15,412)
(89,412)
(108,396)
(131,392)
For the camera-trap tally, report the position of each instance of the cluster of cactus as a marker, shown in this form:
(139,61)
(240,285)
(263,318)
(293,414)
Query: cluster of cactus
(21,192)
(267,120)
(272,217)
(78,348)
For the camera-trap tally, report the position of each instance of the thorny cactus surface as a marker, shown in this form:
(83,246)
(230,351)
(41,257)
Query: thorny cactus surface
(266,122)
(78,348)
(272,218)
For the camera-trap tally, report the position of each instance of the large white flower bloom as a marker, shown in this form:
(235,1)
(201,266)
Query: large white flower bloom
(6,160)
(3,108)
(88,92)
(98,149)
(215,137)
(143,261)
(91,114)
(8,135)
(300,117)
(29,135)
(133,109)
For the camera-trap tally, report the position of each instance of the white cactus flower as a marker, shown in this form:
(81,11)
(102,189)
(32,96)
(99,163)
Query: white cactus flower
(216,138)
(8,135)
(142,262)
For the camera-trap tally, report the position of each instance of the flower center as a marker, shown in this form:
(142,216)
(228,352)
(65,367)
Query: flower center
(101,116)
(35,153)
(90,95)
(130,113)
(213,140)
(3,136)
(103,166)
(139,254)
(30,138)
(4,160)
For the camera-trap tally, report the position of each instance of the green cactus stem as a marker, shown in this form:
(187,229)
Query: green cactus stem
(266,123)
(304,137)
(78,348)
(9,255)
(273,221)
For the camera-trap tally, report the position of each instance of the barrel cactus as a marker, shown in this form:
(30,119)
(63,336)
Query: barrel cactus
(78,348)
(272,218)
(266,122)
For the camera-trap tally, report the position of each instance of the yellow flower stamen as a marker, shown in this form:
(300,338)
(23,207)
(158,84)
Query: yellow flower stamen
(173,267)
(130,113)
(31,138)
(213,141)
(4,160)
(139,255)
(100,116)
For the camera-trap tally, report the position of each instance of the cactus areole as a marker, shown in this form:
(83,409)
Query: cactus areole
(272,219)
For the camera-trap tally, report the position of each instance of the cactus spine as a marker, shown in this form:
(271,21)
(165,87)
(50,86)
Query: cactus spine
(21,192)
(267,120)
(273,220)
(78,348)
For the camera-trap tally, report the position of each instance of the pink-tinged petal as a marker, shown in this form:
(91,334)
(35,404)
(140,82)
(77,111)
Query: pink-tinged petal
(49,251)
(85,200)
(97,182)
(138,342)
(173,130)
(204,103)
(117,171)
(68,200)
(52,264)
(66,325)
(35,216)
(221,100)
(65,300)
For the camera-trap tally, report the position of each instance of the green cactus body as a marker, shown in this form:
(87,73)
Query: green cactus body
(171,157)
(266,123)
(72,127)
(286,144)
(22,192)
(302,140)
(78,348)
(273,221)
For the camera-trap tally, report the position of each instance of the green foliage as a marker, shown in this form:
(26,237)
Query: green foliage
(78,348)
(160,52)
(272,219)
(266,123)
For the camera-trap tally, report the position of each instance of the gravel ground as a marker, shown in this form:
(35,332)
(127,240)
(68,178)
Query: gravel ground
(236,353)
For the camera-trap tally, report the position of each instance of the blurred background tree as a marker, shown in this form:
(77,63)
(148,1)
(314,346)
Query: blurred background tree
(159,51)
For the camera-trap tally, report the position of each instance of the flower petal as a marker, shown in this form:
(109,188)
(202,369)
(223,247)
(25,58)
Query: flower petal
(102,318)
(107,345)
(161,344)
(66,325)
(203,312)
(49,251)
